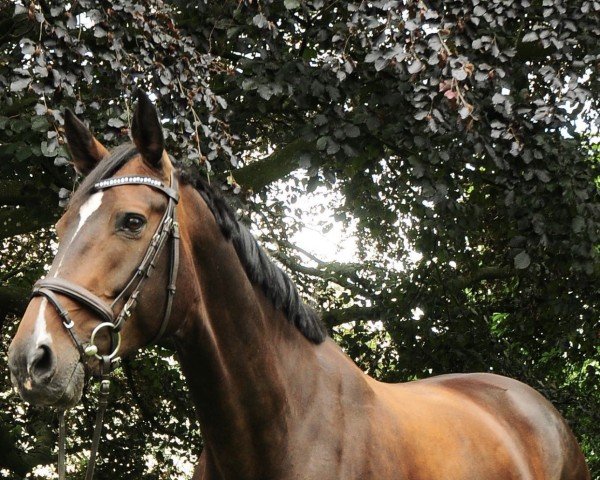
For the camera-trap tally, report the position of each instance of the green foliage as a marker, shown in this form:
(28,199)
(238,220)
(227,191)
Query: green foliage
(459,137)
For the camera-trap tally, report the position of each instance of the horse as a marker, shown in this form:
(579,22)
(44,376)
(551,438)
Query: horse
(275,397)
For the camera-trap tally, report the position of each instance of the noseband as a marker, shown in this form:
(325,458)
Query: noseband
(49,287)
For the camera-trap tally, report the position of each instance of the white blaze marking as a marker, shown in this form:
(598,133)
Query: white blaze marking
(40,332)
(85,211)
(90,206)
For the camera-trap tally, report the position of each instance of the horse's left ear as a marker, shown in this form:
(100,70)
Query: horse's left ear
(147,133)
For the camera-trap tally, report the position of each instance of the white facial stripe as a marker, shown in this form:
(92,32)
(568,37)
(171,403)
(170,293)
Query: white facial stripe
(90,206)
(85,211)
(41,335)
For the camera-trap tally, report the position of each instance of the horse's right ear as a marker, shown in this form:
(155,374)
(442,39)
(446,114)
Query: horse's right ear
(85,150)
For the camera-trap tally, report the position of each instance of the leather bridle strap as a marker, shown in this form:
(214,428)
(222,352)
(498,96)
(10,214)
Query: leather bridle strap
(173,270)
(64,314)
(82,295)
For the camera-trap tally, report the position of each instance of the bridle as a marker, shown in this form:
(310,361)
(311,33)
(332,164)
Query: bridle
(49,287)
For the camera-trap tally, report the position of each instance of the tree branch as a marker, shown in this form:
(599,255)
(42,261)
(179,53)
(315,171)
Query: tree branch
(333,318)
(325,272)
(283,161)
(484,273)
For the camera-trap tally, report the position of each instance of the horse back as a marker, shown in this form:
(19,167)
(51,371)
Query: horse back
(479,426)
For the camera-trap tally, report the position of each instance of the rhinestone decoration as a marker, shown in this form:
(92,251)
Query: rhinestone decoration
(116,181)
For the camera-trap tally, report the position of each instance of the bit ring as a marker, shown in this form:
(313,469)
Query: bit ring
(99,327)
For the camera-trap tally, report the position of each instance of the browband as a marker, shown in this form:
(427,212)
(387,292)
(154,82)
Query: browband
(138,180)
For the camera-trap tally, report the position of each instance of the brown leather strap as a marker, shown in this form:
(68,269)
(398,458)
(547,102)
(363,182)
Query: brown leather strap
(79,293)
(102,404)
(66,318)
(173,270)
(62,445)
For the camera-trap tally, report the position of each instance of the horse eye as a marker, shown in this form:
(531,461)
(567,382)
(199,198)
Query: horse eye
(133,223)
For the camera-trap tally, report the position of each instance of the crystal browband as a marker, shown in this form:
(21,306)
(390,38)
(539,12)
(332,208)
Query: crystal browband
(136,180)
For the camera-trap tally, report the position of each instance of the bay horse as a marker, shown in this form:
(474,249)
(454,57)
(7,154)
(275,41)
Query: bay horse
(275,397)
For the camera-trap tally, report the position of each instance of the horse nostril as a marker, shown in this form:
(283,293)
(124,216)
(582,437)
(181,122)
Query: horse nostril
(42,364)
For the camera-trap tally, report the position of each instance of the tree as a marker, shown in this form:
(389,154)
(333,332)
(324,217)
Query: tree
(463,131)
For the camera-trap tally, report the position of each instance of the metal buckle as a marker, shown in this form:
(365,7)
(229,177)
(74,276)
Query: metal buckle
(105,387)
(94,352)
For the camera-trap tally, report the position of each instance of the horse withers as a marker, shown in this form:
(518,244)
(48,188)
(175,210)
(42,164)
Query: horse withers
(275,397)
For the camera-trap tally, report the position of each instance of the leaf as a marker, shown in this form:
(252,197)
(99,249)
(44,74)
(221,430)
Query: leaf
(459,74)
(543,175)
(265,91)
(260,20)
(222,102)
(420,115)
(56,11)
(380,63)
(48,150)
(578,224)
(28,49)
(248,84)
(20,84)
(40,109)
(322,143)
(498,98)
(522,261)
(372,56)
(39,124)
(481,76)
(530,37)
(99,32)
(478,11)
(116,122)
(352,131)
(19,9)
(415,66)
(304,161)
(291,4)
(320,120)
(332,147)
(23,153)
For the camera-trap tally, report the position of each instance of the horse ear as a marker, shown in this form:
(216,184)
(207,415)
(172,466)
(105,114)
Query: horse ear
(85,150)
(147,132)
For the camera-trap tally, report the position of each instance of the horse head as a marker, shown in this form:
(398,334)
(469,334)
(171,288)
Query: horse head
(118,228)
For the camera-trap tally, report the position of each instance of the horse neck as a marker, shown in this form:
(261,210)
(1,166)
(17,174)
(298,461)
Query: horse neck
(246,366)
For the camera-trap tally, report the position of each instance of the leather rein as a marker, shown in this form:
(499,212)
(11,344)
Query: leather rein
(49,287)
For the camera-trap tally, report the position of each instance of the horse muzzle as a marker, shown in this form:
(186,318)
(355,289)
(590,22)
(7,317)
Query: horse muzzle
(39,378)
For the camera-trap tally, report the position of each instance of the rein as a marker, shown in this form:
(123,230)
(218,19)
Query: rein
(49,287)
